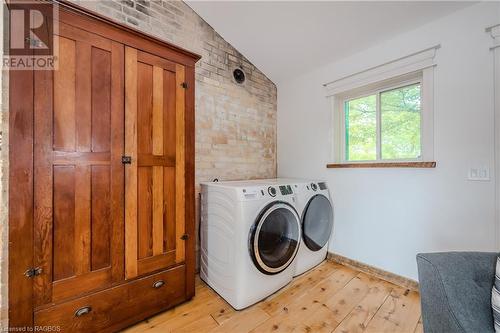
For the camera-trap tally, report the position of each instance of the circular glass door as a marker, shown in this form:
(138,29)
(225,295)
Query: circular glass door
(275,238)
(317,222)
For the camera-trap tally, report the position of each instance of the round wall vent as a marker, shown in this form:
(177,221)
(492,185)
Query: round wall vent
(239,76)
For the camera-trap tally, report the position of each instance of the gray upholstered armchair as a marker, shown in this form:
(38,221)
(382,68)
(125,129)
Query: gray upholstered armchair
(455,289)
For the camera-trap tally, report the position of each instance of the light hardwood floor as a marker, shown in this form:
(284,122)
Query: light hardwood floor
(329,298)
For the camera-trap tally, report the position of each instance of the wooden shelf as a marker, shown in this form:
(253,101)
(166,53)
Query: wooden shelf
(382,165)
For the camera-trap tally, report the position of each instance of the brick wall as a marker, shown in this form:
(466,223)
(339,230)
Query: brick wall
(235,124)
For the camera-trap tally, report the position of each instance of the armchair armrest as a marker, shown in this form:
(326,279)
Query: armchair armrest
(455,290)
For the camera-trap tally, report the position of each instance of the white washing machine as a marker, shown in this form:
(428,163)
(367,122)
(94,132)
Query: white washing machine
(250,233)
(316,211)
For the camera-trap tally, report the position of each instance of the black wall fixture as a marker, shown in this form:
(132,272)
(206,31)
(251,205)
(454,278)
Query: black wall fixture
(239,75)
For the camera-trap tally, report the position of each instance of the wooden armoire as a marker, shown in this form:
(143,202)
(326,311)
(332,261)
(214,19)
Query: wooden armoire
(101,199)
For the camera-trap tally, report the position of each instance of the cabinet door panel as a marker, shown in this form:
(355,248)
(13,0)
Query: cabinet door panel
(144,213)
(154,118)
(101,215)
(64,226)
(79,189)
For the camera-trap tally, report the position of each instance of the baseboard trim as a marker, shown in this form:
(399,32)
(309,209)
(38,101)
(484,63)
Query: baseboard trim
(377,272)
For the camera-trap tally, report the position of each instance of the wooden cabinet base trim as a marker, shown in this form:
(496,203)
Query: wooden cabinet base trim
(98,290)
(118,307)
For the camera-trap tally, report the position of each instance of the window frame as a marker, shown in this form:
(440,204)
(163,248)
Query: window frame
(424,78)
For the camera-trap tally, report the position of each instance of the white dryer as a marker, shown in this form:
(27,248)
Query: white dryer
(316,210)
(250,233)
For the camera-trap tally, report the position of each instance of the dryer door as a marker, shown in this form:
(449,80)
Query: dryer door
(275,237)
(317,222)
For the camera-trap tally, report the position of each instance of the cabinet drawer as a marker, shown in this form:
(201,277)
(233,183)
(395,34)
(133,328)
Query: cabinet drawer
(117,307)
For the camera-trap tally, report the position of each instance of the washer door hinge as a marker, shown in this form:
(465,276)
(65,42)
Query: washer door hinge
(33,272)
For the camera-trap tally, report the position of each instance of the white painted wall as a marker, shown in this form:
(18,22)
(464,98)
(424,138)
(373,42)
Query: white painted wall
(385,217)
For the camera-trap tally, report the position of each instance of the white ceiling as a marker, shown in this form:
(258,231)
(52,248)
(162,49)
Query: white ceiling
(285,38)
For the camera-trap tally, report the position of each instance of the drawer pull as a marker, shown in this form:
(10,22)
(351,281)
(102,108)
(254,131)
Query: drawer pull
(158,284)
(83,311)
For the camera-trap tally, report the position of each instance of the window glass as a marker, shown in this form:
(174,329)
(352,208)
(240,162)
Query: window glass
(361,129)
(400,123)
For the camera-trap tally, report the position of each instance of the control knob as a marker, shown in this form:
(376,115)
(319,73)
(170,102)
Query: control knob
(272,191)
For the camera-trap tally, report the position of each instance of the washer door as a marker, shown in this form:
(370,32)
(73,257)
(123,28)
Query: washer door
(317,222)
(275,238)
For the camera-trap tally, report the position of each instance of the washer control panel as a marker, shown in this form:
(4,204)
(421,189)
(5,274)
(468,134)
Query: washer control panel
(272,191)
(286,190)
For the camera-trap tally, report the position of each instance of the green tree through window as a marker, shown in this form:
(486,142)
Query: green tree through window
(361,128)
(400,121)
(399,113)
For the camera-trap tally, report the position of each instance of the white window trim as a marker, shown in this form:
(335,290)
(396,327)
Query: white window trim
(417,67)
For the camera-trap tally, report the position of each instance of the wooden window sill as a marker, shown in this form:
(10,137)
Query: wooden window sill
(382,165)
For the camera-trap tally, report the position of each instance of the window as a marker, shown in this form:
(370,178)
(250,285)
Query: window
(385,114)
(384,125)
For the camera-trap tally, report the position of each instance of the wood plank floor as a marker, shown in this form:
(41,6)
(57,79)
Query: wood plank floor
(329,298)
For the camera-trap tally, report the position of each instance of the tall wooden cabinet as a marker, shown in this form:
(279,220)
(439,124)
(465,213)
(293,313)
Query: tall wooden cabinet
(106,146)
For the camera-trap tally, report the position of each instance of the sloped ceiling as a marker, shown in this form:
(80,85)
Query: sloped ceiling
(284,39)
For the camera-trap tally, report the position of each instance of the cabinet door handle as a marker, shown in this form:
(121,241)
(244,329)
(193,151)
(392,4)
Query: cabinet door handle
(126,159)
(158,284)
(83,311)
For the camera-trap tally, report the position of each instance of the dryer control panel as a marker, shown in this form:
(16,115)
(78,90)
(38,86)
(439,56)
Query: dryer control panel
(321,186)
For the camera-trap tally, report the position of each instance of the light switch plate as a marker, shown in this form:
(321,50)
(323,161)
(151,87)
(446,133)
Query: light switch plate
(479,174)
